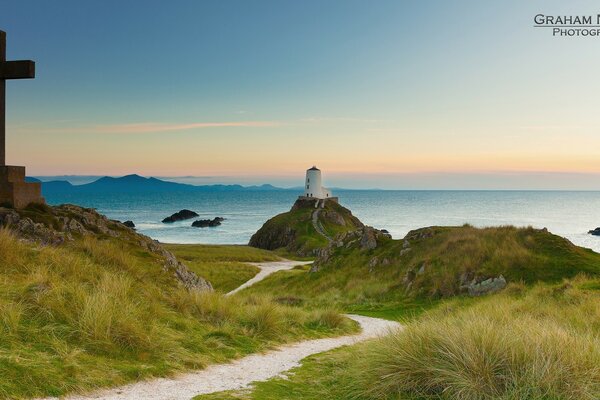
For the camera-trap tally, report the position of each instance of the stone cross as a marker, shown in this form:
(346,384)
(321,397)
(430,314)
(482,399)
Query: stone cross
(15,191)
(21,69)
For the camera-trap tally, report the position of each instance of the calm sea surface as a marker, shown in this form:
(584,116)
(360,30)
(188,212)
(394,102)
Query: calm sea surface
(570,214)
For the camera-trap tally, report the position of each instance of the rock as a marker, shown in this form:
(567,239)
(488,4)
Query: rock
(419,234)
(204,223)
(373,263)
(486,286)
(409,277)
(368,241)
(334,217)
(180,216)
(129,224)
(421,270)
(595,232)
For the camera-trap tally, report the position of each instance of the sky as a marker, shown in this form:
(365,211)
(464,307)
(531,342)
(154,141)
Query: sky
(379,94)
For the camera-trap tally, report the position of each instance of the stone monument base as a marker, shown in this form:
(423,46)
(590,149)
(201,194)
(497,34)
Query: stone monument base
(14,191)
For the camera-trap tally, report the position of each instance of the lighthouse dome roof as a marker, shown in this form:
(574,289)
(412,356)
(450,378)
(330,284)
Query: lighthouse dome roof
(314,168)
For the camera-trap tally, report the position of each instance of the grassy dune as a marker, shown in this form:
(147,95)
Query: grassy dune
(539,343)
(443,254)
(103,312)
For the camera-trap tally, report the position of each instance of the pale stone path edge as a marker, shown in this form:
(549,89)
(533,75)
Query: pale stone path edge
(241,373)
(266,269)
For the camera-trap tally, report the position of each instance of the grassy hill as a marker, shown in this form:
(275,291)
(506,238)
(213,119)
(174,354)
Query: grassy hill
(86,302)
(538,343)
(294,231)
(431,263)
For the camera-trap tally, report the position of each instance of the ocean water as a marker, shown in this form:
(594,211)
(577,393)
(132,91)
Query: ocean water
(569,214)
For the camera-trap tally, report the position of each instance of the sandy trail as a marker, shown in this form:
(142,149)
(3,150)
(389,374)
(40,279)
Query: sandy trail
(266,269)
(240,374)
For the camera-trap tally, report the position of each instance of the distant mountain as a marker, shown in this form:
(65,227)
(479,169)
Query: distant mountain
(135,184)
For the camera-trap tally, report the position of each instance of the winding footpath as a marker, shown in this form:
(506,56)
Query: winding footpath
(317,225)
(266,269)
(240,374)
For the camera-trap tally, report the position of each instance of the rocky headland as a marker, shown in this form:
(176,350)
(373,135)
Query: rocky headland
(60,225)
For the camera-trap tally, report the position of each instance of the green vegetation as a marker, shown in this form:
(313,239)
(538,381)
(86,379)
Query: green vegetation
(293,231)
(538,343)
(102,312)
(401,278)
(221,264)
(218,252)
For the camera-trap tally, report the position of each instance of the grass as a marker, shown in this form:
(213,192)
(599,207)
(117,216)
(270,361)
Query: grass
(538,343)
(445,255)
(222,265)
(96,313)
(215,253)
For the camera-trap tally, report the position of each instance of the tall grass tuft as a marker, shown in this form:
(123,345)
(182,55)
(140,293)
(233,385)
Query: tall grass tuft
(545,345)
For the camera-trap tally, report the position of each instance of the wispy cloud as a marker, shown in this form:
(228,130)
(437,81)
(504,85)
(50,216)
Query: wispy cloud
(142,127)
(343,119)
(150,127)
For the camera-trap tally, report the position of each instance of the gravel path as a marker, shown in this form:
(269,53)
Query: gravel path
(266,269)
(240,374)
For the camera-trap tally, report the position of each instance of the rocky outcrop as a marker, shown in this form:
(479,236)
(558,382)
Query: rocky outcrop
(129,224)
(480,287)
(208,223)
(55,226)
(180,216)
(306,229)
(188,279)
(366,238)
(595,232)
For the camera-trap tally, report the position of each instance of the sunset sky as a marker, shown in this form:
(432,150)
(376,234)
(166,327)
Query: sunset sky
(389,94)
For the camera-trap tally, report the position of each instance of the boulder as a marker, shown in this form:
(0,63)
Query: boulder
(180,216)
(368,241)
(129,224)
(480,287)
(595,232)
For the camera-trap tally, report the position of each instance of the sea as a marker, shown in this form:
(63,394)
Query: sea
(567,213)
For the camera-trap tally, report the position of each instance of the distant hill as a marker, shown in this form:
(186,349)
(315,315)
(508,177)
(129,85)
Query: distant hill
(135,183)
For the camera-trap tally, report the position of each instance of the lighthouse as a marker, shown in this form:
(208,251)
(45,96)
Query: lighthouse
(313,187)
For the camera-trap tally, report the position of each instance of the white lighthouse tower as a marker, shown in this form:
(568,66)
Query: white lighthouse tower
(313,187)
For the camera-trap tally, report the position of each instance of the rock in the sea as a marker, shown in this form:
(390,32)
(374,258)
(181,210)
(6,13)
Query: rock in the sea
(129,224)
(180,216)
(207,223)
(595,232)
